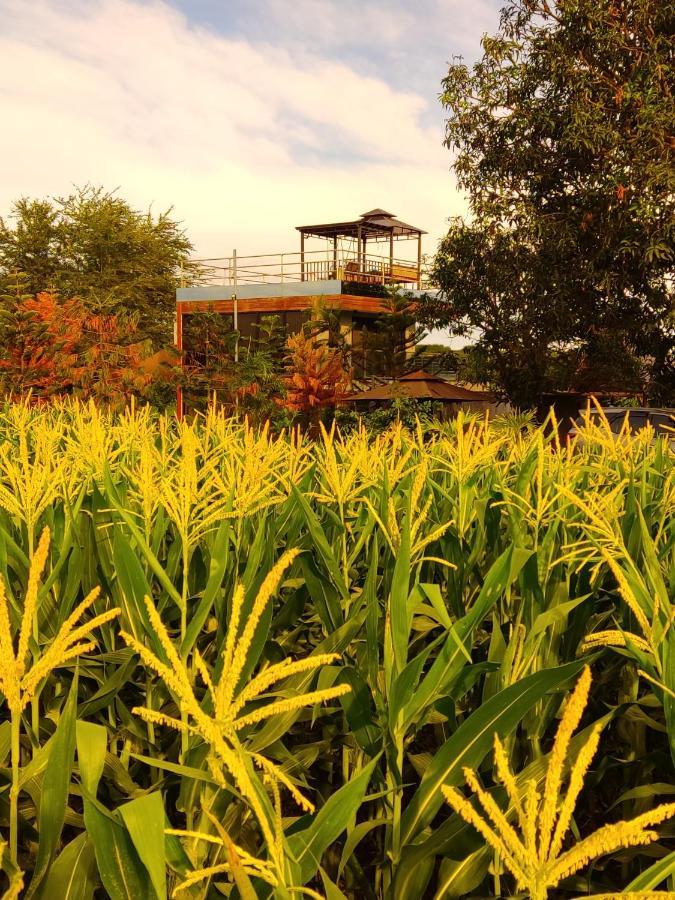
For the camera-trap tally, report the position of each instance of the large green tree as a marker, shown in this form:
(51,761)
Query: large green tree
(563,137)
(95,246)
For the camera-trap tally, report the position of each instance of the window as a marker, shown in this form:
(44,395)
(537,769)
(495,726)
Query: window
(663,423)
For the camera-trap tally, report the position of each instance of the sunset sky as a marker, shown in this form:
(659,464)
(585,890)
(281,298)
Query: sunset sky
(247,116)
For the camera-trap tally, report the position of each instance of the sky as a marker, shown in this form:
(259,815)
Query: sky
(246,117)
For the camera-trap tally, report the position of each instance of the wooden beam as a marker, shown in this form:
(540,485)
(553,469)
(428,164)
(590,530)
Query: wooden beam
(272,305)
(302,256)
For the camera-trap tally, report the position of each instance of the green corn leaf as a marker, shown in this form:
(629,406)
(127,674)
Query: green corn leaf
(133,583)
(218,563)
(92,743)
(320,543)
(473,740)
(324,595)
(5,741)
(459,878)
(331,890)
(150,557)
(55,787)
(355,836)
(654,876)
(176,769)
(73,874)
(123,874)
(144,819)
(279,725)
(308,846)
(399,611)
(449,663)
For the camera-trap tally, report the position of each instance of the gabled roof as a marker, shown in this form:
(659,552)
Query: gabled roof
(375,223)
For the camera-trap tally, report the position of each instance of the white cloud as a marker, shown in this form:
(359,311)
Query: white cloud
(245,139)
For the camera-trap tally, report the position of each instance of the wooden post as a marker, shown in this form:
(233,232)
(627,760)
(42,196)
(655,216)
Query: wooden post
(335,268)
(358,247)
(302,256)
(391,255)
(419,261)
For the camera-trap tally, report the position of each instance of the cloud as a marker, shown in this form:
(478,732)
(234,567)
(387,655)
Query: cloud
(412,42)
(244,137)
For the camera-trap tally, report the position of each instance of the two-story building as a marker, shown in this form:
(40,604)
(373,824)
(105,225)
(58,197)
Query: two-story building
(347,266)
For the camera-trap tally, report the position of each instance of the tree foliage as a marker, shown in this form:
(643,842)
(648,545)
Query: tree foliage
(315,376)
(395,333)
(384,346)
(95,246)
(246,375)
(563,135)
(52,348)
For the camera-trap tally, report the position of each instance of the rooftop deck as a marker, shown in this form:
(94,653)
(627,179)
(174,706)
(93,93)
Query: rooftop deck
(300,272)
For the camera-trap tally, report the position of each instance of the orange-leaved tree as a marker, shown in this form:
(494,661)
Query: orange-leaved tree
(113,360)
(52,348)
(315,377)
(39,345)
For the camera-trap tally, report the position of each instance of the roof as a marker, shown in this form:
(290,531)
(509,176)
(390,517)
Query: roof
(161,361)
(420,386)
(374,223)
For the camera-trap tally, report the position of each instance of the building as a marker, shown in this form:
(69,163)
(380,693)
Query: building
(346,266)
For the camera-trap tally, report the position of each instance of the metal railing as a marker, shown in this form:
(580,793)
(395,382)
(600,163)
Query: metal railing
(310,265)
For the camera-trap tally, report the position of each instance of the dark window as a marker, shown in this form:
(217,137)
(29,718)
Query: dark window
(369,355)
(246,323)
(663,423)
(636,421)
(294,319)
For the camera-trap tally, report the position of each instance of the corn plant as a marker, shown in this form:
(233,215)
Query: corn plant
(240,663)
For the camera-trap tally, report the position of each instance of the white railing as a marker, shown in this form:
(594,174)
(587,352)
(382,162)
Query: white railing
(310,265)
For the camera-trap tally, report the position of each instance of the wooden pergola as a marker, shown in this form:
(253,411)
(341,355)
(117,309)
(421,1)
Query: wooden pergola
(376,225)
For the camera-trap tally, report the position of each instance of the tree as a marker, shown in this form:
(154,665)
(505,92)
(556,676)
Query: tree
(52,348)
(315,377)
(383,346)
(563,141)
(208,357)
(395,333)
(249,381)
(112,360)
(39,346)
(93,245)
(259,380)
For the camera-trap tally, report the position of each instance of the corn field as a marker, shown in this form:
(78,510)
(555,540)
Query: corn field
(413,665)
